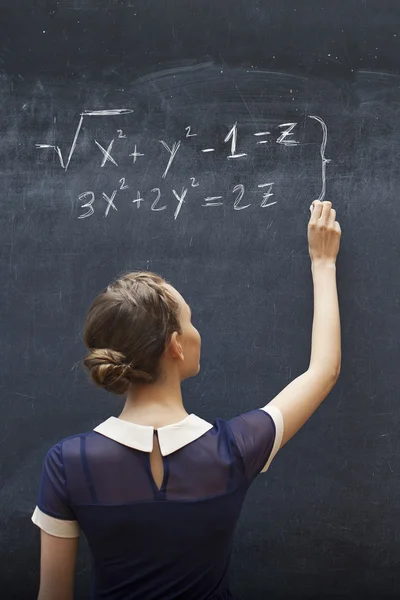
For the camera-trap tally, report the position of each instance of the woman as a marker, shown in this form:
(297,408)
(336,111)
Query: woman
(158,492)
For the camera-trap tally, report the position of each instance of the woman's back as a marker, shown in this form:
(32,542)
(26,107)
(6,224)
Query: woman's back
(150,542)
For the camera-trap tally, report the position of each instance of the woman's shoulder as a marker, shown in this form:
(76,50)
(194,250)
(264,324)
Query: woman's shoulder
(69,445)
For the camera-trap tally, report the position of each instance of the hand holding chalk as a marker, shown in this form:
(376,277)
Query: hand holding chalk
(323,233)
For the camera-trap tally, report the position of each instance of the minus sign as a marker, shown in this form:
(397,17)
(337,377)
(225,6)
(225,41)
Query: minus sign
(263,142)
(208,150)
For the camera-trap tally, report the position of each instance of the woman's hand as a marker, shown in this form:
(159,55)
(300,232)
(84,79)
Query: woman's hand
(323,233)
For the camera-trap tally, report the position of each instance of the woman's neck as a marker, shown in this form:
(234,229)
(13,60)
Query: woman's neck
(156,404)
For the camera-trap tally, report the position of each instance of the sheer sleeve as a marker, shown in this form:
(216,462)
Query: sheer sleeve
(258,436)
(53,513)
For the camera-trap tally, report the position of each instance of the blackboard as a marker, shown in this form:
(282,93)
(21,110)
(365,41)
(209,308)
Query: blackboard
(189,138)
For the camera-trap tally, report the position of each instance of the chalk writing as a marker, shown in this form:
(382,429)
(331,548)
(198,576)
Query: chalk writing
(110,201)
(211,201)
(258,134)
(106,153)
(112,154)
(88,204)
(172,151)
(267,194)
(284,137)
(135,154)
(324,160)
(88,113)
(179,199)
(138,200)
(232,135)
(239,189)
(154,205)
(285,134)
(188,134)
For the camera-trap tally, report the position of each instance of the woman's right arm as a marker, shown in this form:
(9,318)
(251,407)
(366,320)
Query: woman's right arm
(303,395)
(57,567)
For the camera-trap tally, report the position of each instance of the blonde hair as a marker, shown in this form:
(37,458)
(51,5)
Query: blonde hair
(127,329)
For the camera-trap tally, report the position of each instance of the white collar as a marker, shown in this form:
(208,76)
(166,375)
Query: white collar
(140,437)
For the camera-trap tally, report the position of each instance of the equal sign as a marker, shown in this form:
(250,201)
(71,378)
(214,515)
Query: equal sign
(211,201)
(262,133)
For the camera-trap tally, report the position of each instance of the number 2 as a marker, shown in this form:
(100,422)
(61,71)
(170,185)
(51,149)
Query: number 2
(239,189)
(188,130)
(153,206)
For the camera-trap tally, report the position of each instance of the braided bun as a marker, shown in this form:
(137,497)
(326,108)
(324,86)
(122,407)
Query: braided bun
(109,370)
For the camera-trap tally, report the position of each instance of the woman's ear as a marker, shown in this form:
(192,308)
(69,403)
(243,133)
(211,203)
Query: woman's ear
(175,347)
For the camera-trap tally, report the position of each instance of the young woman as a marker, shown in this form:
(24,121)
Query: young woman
(157,492)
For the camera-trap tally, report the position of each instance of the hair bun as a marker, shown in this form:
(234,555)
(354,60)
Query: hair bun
(127,330)
(109,370)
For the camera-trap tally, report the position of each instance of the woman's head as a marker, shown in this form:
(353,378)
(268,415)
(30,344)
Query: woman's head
(136,329)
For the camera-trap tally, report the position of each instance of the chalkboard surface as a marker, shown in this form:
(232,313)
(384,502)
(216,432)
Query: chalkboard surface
(190,138)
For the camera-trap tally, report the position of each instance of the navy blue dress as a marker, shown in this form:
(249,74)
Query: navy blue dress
(150,543)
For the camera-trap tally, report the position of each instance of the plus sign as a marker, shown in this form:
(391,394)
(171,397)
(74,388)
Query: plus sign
(138,200)
(135,154)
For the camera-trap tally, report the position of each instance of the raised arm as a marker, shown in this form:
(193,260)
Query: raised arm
(303,395)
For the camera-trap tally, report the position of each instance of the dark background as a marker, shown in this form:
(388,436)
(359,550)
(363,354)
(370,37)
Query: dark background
(324,522)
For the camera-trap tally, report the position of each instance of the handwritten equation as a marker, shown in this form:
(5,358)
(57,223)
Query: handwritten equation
(283,134)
